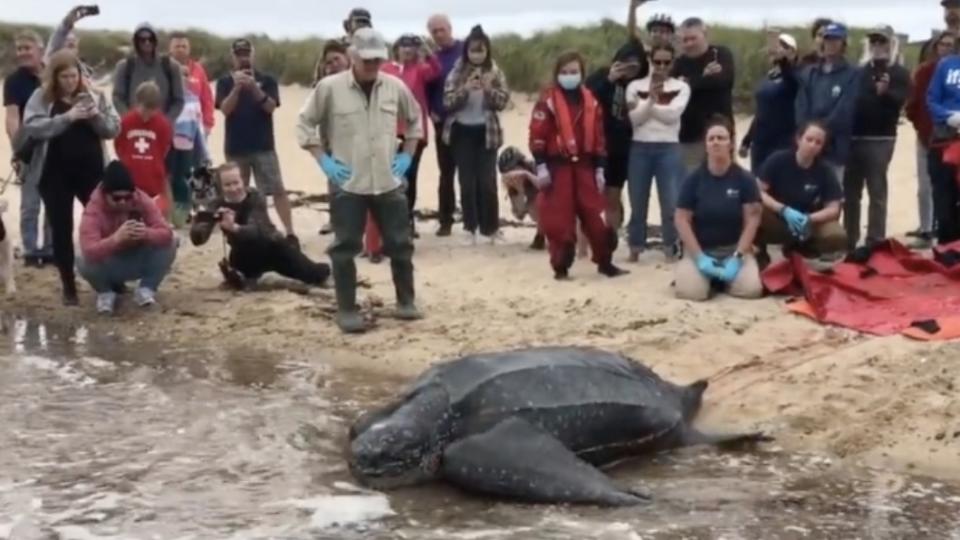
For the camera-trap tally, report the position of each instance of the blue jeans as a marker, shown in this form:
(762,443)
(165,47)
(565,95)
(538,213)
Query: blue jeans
(30,202)
(665,162)
(149,264)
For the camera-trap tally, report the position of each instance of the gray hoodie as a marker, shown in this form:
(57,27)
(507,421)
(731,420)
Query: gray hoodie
(171,85)
(39,127)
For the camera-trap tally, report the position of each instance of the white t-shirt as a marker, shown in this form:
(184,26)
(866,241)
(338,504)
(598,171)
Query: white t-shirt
(657,122)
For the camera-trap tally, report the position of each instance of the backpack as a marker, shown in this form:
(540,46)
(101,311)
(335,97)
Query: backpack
(164,64)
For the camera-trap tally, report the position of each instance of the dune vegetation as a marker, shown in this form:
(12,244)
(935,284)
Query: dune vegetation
(525,60)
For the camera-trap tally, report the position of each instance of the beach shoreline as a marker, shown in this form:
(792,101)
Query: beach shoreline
(888,402)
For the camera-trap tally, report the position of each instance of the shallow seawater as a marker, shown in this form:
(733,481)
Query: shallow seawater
(111,438)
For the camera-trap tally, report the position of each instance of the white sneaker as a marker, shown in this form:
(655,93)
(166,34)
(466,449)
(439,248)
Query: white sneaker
(470,239)
(144,297)
(496,237)
(106,302)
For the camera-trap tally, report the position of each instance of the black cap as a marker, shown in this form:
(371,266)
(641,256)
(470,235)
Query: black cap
(950,3)
(241,45)
(116,177)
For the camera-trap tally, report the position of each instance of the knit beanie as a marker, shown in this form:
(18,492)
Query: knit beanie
(117,178)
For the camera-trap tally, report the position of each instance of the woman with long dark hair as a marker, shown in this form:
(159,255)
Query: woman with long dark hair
(68,122)
(568,146)
(718,213)
(474,94)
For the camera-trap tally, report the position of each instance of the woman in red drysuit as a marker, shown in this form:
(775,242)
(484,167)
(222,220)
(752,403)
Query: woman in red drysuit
(567,143)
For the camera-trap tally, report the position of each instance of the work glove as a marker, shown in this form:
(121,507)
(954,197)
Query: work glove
(337,171)
(401,163)
(954,120)
(543,176)
(731,267)
(709,266)
(797,221)
(601,179)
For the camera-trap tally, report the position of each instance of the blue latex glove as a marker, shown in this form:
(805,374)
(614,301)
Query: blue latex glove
(708,266)
(401,162)
(731,267)
(796,221)
(337,171)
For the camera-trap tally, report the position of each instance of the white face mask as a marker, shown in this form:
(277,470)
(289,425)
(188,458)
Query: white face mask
(569,81)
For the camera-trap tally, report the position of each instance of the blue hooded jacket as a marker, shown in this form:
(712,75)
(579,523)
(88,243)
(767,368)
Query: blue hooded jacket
(830,97)
(943,94)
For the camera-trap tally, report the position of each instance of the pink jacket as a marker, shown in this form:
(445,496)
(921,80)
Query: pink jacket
(417,76)
(200,85)
(98,224)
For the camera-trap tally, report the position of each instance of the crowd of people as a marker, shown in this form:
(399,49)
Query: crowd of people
(661,113)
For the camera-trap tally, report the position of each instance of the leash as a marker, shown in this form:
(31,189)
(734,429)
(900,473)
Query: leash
(7,181)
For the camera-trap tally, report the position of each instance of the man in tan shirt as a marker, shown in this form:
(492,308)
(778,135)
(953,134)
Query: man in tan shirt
(349,124)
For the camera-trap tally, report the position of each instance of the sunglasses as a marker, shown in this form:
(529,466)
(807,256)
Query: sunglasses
(121,198)
(145,39)
(661,62)
(879,40)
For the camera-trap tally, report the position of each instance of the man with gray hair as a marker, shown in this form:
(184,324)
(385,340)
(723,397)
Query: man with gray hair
(709,70)
(17,89)
(348,124)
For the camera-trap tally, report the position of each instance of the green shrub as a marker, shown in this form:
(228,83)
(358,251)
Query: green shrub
(527,62)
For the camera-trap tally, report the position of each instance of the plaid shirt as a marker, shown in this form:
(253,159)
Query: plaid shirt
(455,95)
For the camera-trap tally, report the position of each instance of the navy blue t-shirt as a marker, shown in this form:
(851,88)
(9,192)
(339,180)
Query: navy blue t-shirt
(18,87)
(805,190)
(717,204)
(249,127)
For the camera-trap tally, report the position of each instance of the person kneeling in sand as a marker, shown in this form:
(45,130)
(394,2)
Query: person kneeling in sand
(801,200)
(257,247)
(717,215)
(123,237)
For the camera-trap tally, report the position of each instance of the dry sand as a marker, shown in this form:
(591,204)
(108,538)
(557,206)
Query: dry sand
(888,402)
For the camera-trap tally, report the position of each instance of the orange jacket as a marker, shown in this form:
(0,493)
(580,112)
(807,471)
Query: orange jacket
(560,131)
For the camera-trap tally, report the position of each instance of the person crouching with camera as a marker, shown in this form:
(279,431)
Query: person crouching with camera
(257,247)
(123,237)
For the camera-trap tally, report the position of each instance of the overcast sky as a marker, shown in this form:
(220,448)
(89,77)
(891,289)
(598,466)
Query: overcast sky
(296,18)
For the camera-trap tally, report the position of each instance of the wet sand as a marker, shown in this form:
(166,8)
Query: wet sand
(888,402)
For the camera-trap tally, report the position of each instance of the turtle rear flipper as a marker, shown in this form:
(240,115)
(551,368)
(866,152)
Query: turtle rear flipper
(726,441)
(519,460)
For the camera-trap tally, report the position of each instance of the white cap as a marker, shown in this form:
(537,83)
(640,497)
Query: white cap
(788,40)
(369,44)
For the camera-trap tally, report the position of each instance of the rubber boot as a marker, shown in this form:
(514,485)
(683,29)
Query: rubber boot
(349,318)
(562,272)
(403,283)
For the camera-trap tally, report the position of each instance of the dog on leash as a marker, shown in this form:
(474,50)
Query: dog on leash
(6,254)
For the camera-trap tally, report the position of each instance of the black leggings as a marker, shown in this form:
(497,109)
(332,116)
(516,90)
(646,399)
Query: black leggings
(253,258)
(58,191)
(477,169)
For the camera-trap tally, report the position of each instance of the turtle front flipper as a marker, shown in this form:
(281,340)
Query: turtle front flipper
(519,460)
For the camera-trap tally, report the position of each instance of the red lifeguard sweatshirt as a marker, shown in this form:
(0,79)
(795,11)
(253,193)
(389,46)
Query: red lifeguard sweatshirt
(142,146)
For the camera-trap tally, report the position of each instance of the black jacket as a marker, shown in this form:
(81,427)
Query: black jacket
(708,95)
(878,115)
(616,124)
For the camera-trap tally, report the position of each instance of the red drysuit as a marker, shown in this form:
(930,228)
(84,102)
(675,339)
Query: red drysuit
(142,146)
(569,138)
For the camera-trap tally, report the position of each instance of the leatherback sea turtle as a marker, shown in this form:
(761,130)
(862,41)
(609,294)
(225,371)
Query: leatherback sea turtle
(529,424)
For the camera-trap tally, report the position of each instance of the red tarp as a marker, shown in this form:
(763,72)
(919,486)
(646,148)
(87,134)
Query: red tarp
(895,291)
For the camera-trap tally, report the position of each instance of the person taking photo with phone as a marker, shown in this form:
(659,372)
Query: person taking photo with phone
(64,36)
(67,122)
(124,237)
(884,87)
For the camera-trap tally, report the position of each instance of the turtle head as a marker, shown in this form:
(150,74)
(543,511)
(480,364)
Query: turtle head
(402,444)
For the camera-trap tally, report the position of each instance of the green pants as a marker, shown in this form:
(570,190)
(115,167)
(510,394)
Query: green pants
(827,237)
(348,215)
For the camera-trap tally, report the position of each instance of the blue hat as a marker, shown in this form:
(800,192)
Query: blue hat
(835,30)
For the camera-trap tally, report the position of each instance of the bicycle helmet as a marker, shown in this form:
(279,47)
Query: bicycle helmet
(661,19)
